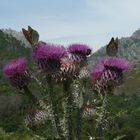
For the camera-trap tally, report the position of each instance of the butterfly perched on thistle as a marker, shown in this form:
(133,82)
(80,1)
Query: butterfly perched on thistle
(31,35)
(112,47)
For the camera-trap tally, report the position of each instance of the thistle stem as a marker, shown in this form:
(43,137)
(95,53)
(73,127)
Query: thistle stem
(35,100)
(68,115)
(82,88)
(53,107)
(103,116)
(79,123)
(29,94)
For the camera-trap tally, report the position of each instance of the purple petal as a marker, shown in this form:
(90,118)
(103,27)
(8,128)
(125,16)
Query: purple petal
(49,51)
(15,66)
(97,71)
(79,48)
(118,63)
(112,62)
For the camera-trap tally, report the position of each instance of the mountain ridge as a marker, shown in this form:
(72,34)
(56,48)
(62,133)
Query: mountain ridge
(129,48)
(18,35)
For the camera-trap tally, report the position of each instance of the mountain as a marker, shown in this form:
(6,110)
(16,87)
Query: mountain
(136,34)
(11,47)
(129,48)
(18,35)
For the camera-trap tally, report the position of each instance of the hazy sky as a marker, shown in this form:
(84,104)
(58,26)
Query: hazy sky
(92,22)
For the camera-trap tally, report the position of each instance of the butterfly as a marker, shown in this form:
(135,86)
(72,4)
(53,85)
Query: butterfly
(31,35)
(112,47)
(27,35)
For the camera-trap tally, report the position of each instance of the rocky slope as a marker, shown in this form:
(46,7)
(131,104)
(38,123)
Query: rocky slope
(129,48)
(18,35)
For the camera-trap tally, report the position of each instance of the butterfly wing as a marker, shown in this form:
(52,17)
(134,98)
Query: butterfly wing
(27,35)
(112,47)
(34,35)
(31,35)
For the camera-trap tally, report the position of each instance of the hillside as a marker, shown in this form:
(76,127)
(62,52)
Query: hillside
(129,48)
(10,48)
(18,35)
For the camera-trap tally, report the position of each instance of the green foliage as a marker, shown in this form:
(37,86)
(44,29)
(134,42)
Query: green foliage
(137,136)
(10,122)
(19,135)
(124,110)
(131,77)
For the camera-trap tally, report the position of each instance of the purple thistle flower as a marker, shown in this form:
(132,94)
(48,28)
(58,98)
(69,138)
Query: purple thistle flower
(49,55)
(15,66)
(49,51)
(110,63)
(79,52)
(117,63)
(79,49)
(17,72)
(97,71)
(109,72)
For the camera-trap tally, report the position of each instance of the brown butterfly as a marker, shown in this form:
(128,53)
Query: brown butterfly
(27,35)
(31,35)
(112,47)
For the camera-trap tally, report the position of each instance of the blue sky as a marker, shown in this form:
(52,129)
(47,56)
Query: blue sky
(92,22)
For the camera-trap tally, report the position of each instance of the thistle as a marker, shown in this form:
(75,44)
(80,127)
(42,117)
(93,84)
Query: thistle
(17,73)
(36,116)
(109,72)
(88,111)
(79,52)
(48,56)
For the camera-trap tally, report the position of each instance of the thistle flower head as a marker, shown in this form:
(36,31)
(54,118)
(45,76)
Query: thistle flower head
(17,72)
(68,69)
(49,51)
(108,72)
(88,111)
(112,63)
(36,116)
(97,71)
(118,63)
(48,56)
(79,49)
(17,66)
(79,53)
